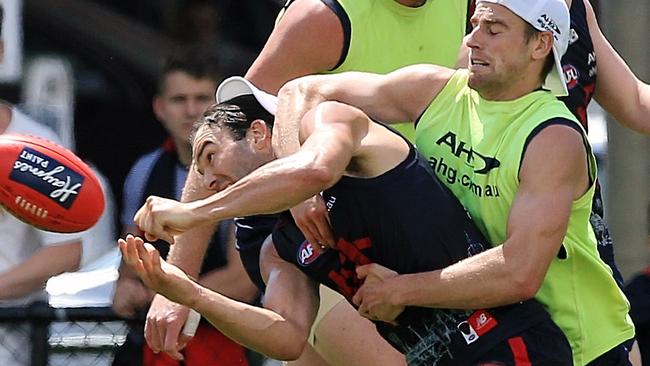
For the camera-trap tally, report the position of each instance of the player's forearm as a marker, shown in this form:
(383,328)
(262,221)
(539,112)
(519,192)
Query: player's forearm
(231,282)
(32,274)
(482,281)
(274,187)
(257,328)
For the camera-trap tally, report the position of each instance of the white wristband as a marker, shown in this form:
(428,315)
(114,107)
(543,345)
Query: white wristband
(192,323)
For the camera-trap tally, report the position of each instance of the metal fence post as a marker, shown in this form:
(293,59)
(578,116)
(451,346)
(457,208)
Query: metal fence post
(40,315)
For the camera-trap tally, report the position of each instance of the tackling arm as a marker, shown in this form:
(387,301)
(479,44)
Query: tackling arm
(553,174)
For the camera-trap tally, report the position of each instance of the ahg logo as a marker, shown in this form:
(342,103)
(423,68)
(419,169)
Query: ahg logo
(482,165)
(60,183)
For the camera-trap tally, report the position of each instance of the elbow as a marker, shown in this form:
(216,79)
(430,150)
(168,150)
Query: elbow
(290,352)
(525,284)
(306,87)
(318,176)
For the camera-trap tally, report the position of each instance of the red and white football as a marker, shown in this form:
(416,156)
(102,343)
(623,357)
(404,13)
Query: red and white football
(47,185)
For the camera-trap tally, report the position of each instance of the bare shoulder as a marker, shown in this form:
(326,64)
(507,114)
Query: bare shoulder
(557,139)
(307,39)
(557,151)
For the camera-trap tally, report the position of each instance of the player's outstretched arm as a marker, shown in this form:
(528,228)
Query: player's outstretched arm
(618,90)
(396,97)
(330,141)
(280,333)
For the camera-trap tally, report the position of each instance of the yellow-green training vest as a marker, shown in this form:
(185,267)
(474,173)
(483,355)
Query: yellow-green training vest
(475,147)
(383,35)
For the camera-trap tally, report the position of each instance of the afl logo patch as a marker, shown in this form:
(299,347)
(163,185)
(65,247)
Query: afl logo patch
(308,253)
(571,76)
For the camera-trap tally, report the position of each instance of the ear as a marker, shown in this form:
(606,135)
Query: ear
(157,106)
(543,45)
(259,134)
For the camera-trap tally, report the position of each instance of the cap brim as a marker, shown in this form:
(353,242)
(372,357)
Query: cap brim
(236,86)
(555,81)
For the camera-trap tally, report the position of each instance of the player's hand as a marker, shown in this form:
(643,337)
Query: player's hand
(312,219)
(373,298)
(164,278)
(163,334)
(162,218)
(162,330)
(130,296)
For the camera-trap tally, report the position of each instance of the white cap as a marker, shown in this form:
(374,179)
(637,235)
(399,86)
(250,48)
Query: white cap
(546,16)
(236,86)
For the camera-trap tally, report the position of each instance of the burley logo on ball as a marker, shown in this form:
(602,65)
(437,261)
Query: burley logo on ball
(47,176)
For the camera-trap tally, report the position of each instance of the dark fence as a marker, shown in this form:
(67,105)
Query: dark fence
(39,335)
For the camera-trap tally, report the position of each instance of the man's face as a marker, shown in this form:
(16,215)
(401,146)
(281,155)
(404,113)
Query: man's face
(182,100)
(499,53)
(220,159)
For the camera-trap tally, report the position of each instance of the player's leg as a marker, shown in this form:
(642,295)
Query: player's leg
(309,357)
(344,338)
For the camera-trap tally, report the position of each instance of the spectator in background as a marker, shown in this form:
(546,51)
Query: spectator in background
(28,256)
(326,36)
(200,24)
(186,88)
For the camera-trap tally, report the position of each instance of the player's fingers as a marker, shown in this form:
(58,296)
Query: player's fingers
(325,234)
(308,232)
(150,237)
(363,271)
(137,218)
(171,343)
(357,299)
(130,255)
(167,234)
(151,335)
(155,261)
(122,245)
(183,340)
(143,254)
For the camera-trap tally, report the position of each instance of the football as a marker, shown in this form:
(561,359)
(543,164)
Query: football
(47,185)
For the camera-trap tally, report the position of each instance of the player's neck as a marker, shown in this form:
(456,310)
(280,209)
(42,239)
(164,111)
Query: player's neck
(412,3)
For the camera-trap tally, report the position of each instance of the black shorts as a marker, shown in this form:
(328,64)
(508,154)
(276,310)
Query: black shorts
(617,356)
(541,345)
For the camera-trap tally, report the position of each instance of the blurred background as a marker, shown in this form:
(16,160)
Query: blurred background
(88,69)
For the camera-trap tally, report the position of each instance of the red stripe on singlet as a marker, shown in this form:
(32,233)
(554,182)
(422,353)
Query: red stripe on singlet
(519,351)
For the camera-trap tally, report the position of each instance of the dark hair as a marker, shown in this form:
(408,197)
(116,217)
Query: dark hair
(195,61)
(236,115)
(531,32)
